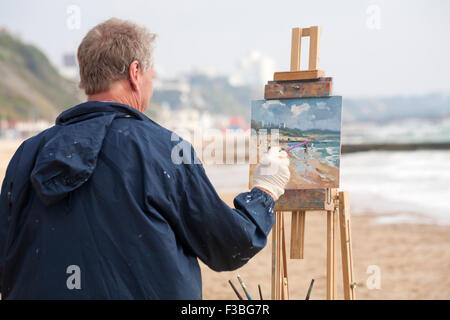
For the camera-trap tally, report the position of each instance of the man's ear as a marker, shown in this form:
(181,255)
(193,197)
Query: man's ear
(134,74)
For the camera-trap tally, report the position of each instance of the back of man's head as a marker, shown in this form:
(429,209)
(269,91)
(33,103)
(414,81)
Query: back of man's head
(108,49)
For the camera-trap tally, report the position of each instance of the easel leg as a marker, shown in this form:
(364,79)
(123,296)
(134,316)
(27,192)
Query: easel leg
(274,257)
(346,246)
(280,289)
(331,254)
(297,234)
(335,250)
(284,275)
(279,257)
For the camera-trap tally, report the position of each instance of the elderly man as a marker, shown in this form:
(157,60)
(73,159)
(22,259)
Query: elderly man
(95,208)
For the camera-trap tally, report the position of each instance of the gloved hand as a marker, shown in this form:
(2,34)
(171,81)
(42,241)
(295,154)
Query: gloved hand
(272,172)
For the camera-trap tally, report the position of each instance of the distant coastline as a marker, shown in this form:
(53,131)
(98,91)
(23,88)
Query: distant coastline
(350,148)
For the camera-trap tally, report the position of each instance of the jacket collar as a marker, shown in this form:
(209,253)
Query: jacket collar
(83,110)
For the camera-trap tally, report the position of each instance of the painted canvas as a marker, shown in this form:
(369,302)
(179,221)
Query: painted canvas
(309,130)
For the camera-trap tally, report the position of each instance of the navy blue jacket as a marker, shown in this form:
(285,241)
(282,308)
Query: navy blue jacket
(113,193)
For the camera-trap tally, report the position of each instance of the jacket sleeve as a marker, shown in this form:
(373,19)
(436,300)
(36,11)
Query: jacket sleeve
(223,238)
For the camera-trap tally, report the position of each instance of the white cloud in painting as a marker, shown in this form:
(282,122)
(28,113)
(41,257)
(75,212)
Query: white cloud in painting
(266,104)
(322,105)
(297,110)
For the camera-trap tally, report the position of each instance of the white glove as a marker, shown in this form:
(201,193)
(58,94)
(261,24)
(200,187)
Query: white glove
(272,172)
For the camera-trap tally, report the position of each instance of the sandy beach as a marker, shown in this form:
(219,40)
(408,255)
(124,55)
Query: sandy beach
(319,175)
(7,149)
(413,259)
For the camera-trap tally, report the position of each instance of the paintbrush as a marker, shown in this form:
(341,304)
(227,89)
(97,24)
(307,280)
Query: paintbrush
(309,290)
(298,145)
(235,290)
(243,287)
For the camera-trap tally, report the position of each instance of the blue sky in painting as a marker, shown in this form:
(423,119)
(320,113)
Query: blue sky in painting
(304,114)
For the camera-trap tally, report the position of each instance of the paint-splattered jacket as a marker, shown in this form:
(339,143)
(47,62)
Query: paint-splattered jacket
(104,205)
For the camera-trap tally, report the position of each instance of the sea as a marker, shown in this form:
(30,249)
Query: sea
(325,148)
(402,186)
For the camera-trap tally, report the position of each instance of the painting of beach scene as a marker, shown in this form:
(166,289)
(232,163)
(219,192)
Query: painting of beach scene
(309,130)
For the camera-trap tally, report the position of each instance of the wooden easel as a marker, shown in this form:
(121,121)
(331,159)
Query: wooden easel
(338,214)
(298,84)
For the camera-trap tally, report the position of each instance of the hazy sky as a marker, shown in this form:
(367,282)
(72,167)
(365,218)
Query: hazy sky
(369,47)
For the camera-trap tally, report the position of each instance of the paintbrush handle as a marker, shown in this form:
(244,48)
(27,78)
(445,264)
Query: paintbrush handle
(298,145)
(244,288)
(235,290)
(309,290)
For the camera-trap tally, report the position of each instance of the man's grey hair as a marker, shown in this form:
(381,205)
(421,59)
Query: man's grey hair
(107,51)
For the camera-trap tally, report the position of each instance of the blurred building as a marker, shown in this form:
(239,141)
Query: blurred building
(22,129)
(69,67)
